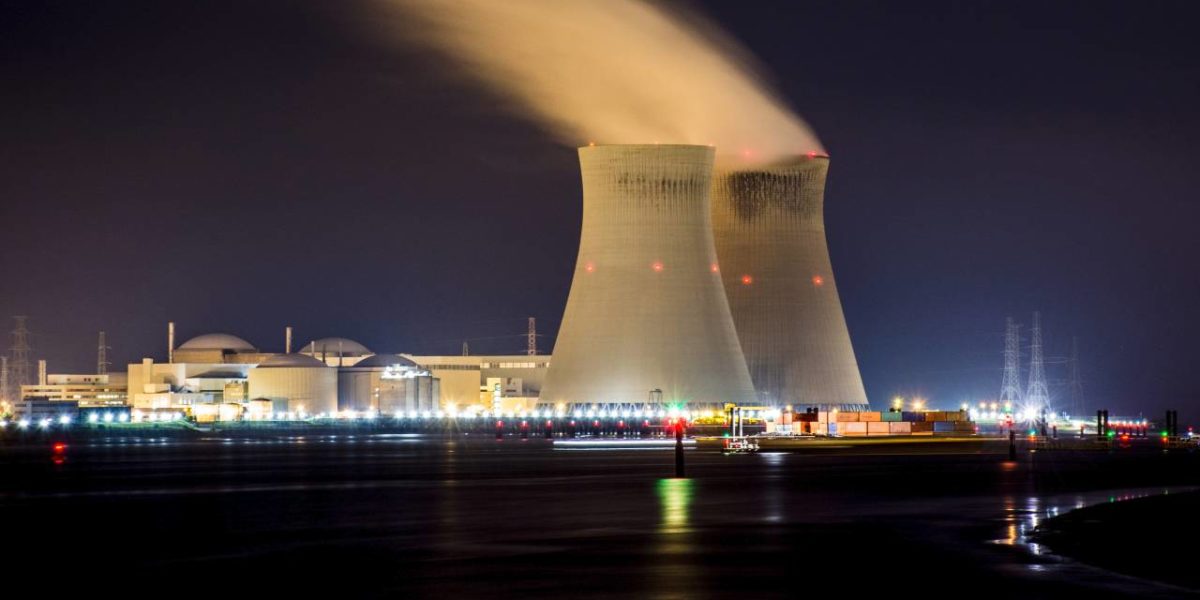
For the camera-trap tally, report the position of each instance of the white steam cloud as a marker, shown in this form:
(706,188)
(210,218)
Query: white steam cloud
(612,71)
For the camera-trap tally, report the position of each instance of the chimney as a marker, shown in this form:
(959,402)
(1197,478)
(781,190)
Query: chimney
(42,372)
(171,342)
(287,344)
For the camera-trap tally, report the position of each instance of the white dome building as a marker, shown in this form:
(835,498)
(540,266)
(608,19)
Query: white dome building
(389,384)
(295,383)
(336,351)
(217,348)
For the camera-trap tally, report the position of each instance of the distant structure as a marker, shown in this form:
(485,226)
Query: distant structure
(1037,395)
(531,342)
(19,365)
(5,391)
(1010,387)
(1075,381)
(646,309)
(769,231)
(102,356)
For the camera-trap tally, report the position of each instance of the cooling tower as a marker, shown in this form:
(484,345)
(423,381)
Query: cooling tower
(646,309)
(769,231)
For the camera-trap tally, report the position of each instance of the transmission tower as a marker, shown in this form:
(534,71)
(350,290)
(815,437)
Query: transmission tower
(4,391)
(1075,381)
(1037,395)
(1010,388)
(531,342)
(19,369)
(466,348)
(102,356)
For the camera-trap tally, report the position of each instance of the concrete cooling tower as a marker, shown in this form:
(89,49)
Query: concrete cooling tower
(769,230)
(646,309)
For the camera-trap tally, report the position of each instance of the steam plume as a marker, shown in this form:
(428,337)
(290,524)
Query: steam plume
(612,71)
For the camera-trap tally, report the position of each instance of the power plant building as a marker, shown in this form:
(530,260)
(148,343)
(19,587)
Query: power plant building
(389,384)
(647,320)
(769,230)
(295,383)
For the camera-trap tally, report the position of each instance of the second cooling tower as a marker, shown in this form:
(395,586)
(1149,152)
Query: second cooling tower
(769,230)
(647,310)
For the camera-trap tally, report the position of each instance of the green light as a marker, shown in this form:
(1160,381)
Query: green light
(1164,434)
(1111,433)
(1032,433)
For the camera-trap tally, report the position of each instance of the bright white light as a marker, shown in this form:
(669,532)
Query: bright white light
(3,423)
(44,423)
(64,420)
(23,423)
(591,414)
(92,418)
(123,417)
(578,414)
(426,415)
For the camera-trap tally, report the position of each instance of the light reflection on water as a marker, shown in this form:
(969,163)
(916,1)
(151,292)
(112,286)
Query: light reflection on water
(1021,522)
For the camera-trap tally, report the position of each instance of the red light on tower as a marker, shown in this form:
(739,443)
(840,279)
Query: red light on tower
(59,447)
(747,280)
(818,280)
(589,267)
(657,266)
(715,268)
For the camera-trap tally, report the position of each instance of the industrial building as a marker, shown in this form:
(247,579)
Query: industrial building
(388,384)
(295,383)
(647,320)
(85,390)
(769,231)
(472,381)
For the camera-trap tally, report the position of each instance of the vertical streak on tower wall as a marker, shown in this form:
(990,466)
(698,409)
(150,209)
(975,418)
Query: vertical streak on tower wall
(769,230)
(646,309)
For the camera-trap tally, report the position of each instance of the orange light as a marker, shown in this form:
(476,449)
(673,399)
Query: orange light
(589,267)
(657,266)
(818,280)
(715,268)
(747,280)
(59,447)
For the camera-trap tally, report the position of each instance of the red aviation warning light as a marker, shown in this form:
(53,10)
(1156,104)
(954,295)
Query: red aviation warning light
(747,280)
(589,267)
(818,280)
(715,268)
(657,266)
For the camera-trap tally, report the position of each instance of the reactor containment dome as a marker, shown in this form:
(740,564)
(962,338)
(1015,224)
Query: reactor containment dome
(647,319)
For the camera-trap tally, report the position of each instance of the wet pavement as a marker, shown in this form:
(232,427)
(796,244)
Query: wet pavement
(399,515)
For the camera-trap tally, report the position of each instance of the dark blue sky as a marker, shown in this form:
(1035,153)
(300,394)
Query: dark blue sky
(240,166)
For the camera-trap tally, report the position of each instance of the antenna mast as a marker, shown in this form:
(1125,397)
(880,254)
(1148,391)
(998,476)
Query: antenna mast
(531,343)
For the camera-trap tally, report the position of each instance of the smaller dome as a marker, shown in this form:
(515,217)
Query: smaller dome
(293,361)
(217,341)
(333,345)
(380,361)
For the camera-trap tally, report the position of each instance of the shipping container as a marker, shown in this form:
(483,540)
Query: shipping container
(911,416)
(943,427)
(899,428)
(847,417)
(869,417)
(877,428)
(966,426)
(891,417)
(845,428)
(921,426)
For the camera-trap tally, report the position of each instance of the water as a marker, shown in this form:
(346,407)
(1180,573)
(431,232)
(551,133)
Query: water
(384,516)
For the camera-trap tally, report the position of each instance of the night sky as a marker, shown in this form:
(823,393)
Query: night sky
(243,166)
